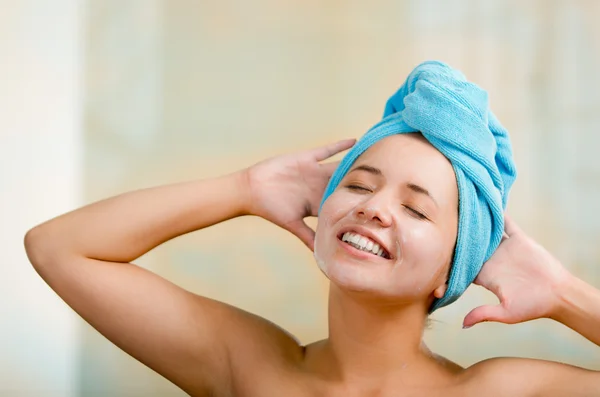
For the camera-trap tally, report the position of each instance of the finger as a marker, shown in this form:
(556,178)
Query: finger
(329,168)
(301,230)
(485,313)
(510,226)
(327,151)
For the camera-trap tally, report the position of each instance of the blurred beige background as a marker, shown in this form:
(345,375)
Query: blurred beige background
(102,97)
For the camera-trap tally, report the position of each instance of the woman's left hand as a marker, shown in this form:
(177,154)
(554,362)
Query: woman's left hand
(523,275)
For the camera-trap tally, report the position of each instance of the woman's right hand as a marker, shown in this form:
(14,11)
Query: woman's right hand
(286,189)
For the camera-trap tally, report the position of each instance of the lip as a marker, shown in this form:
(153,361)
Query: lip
(367,233)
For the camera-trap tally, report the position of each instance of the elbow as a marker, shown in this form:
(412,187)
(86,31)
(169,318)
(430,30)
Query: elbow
(32,243)
(37,246)
(45,245)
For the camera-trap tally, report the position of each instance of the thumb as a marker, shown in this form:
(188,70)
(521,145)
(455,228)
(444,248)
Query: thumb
(510,226)
(485,313)
(301,230)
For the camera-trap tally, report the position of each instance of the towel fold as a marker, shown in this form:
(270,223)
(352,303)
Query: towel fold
(454,116)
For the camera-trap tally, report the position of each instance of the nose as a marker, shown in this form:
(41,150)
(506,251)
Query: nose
(376,210)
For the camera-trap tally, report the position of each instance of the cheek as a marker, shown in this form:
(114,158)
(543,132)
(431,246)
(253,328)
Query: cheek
(427,249)
(338,206)
(325,235)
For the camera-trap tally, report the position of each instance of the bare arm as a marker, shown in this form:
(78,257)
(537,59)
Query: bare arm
(123,228)
(85,256)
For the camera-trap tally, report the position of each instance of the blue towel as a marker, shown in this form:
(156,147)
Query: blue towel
(454,116)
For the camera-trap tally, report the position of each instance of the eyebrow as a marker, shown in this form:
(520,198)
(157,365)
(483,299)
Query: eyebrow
(421,190)
(369,169)
(412,186)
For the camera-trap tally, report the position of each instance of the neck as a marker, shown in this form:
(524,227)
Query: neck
(371,340)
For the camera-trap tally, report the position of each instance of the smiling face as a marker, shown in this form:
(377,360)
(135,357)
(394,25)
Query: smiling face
(390,227)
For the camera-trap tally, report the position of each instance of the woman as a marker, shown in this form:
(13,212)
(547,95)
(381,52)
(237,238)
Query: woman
(391,240)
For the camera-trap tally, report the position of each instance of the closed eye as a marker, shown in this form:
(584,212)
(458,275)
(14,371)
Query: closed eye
(416,213)
(358,188)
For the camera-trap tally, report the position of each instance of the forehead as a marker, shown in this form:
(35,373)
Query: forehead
(408,150)
(399,146)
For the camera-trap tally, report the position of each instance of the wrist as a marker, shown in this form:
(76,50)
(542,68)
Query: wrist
(243,192)
(568,298)
(578,308)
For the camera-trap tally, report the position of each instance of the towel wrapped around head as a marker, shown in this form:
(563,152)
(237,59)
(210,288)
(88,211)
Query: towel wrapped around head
(454,116)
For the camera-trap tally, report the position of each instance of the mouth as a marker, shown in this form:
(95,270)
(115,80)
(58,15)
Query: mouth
(364,242)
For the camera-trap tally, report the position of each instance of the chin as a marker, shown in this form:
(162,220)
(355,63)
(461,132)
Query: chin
(356,277)
(370,284)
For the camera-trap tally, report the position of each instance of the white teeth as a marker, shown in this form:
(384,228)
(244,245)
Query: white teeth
(363,243)
(375,248)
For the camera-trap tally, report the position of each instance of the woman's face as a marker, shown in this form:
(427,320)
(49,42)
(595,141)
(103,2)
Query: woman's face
(390,227)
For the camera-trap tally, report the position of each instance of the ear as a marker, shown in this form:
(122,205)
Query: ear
(440,291)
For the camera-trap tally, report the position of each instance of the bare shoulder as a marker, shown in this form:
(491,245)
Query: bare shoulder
(258,350)
(250,334)
(531,377)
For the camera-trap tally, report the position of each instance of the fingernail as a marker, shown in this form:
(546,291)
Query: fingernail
(466,326)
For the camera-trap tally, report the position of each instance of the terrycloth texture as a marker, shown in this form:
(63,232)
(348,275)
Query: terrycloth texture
(453,115)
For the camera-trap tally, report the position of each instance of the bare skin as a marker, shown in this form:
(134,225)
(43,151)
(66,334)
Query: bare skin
(375,344)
